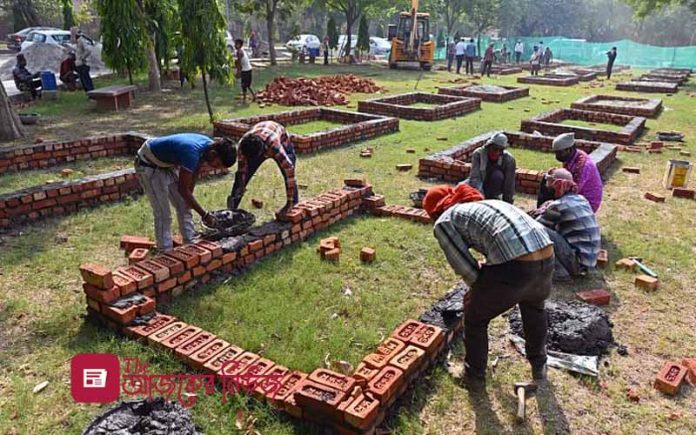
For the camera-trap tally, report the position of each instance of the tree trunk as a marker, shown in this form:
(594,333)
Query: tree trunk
(11,127)
(26,10)
(153,73)
(270,16)
(207,98)
(349,30)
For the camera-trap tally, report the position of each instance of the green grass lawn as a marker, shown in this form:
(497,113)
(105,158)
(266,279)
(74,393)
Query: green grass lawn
(298,311)
(313,127)
(535,160)
(593,125)
(21,180)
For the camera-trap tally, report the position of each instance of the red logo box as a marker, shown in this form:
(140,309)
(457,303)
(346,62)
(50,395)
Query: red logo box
(95,377)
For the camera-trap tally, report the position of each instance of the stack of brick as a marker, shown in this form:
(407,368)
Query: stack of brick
(551,124)
(410,213)
(358,126)
(443,106)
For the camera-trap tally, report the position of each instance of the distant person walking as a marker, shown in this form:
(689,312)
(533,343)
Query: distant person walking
(244,70)
(326,46)
(488,57)
(254,44)
(83,52)
(460,51)
(519,49)
(535,61)
(548,55)
(450,55)
(470,55)
(541,52)
(504,54)
(611,57)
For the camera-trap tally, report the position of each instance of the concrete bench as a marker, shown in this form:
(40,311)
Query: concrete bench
(112,97)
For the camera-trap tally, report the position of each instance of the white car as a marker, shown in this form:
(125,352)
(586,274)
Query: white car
(308,42)
(58,37)
(379,46)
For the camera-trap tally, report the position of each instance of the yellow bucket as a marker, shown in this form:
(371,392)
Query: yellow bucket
(677,174)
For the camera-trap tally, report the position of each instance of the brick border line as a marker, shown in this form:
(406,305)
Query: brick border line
(505,70)
(667,78)
(510,93)
(584,74)
(48,154)
(645,86)
(445,106)
(359,126)
(452,165)
(549,124)
(650,108)
(549,80)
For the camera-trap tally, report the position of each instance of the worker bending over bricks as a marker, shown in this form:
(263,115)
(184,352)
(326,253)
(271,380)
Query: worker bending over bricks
(167,168)
(571,225)
(518,269)
(581,166)
(493,169)
(265,140)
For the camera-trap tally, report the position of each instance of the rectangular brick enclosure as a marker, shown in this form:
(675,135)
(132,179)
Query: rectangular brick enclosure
(358,126)
(550,80)
(443,106)
(453,164)
(648,86)
(648,108)
(505,69)
(667,78)
(491,93)
(583,74)
(551,124)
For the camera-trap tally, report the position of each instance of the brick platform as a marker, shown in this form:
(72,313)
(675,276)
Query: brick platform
(444,106)
(550,124)
(646,86)
(648,108)
(324,397)
(452,165)
(583,74)
(679,71)
(486,94)
(667,78)
(358,126)
(504,70)
(550,80)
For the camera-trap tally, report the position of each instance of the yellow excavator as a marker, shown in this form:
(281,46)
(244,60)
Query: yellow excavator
(410,40)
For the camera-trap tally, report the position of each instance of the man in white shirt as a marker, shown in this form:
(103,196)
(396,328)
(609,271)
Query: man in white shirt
(519,49)
(81,55)
(460,51)
(244,70)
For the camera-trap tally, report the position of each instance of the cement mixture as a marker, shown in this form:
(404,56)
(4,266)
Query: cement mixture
(490,89)
(575,327)
(448,310)
(48,57)
(144,417)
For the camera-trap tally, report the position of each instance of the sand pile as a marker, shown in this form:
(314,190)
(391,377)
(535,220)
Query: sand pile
(42,57)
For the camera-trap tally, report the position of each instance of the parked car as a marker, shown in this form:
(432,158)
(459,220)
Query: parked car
(306,42)
(379,46)
(60,37)
(14,40)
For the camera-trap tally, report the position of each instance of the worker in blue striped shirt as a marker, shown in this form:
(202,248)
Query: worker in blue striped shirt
(571,225)
(518,270)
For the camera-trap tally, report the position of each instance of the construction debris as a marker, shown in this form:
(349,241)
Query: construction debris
(320,91)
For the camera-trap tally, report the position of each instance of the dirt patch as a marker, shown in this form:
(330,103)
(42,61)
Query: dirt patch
(574,327)
(144,417)
(448,310)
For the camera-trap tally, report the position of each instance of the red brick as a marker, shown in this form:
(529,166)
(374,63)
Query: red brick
(199,357)
(354,182)
(239,364)
(184,277)
(97,275)
(125,285)
(595,297)
(213,247)
(428,338)
(158,322)
(386,383)
(175,266)
(256,203)
(166,285)
(654,197)
(138,254)
(256,245)
(181,337)
(670,378)
(333,379)
(142,279)
(367,255)
(101,295)
(288,385)
(406,330)
(215,363)
(362,412)
(315,397)
(203,255)
(229,257)
(626,263)
(364,374)
(214,265)
(198,271)
(129,243)
(122,316)
(159,271)
(404,167)
(155,338)
(333,255)
(647,282)
(198,342)
(602,258)
(690,364)
(631,169)
(268,389)
(190,260)
(679,192)
(409,360)
(95,305)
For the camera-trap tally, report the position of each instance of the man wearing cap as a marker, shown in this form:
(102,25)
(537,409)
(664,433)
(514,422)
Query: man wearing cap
(167,168)
(581,166)
(518,270)
(493,169)
(571,225)
(82,53)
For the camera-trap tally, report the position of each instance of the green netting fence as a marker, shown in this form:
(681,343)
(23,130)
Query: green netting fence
(581,52)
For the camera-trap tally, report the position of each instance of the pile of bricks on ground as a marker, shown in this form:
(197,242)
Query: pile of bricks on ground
(452,165)
(125,300)
(485,92)
(399,106)
(644,107)
(320,91)
(358,126)
(550,124)
(550,80)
